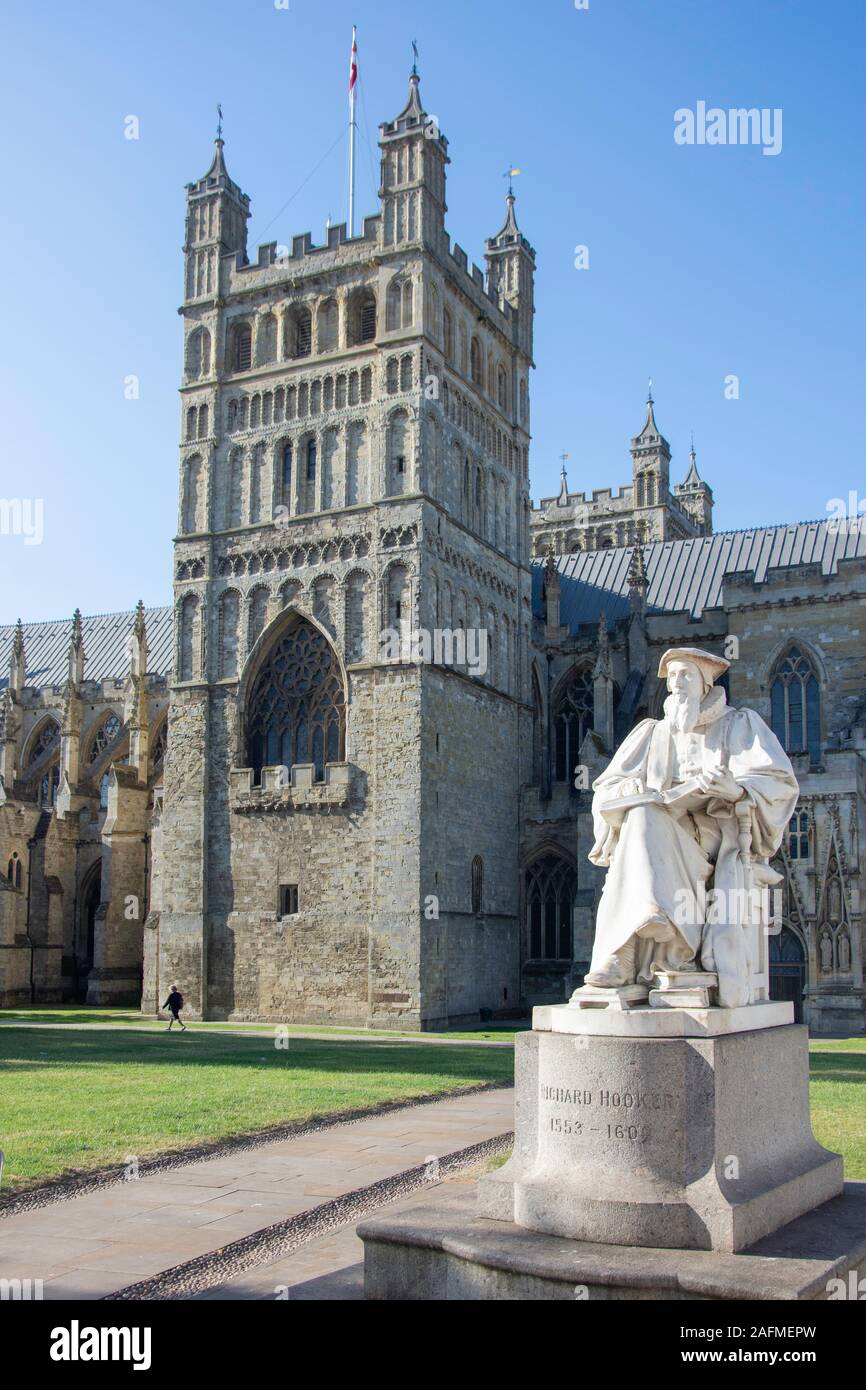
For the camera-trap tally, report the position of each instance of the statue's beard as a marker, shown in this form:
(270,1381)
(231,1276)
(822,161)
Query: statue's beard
(683,711)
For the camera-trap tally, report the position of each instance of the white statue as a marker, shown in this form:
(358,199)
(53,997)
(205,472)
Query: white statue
(686,817)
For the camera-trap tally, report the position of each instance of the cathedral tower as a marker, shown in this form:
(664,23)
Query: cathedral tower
(351,610)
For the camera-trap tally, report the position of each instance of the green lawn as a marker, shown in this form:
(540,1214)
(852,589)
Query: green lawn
(838,1096)
(79,1099)
(73,1099)
(132,1018)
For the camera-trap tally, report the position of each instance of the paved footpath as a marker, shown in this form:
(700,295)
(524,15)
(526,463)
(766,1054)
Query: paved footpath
(90,1246)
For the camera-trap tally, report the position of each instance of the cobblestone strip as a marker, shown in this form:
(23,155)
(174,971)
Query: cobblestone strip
(63,1189)
(262,1247)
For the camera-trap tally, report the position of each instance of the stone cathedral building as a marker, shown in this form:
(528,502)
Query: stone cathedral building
(344,776)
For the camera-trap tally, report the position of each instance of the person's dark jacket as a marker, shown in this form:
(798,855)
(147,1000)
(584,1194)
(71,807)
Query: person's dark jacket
(174,1002)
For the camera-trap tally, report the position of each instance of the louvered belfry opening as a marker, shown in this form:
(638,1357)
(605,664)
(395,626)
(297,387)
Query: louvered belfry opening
(367,326)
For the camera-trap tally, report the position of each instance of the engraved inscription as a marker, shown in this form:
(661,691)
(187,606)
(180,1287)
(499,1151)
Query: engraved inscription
(612,1100)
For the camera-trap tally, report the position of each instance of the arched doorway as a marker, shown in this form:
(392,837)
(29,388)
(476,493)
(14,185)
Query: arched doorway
(788,970)
(91,896)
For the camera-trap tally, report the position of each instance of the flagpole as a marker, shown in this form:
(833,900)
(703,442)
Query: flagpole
(353,77)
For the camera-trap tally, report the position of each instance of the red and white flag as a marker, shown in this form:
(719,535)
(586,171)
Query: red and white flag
(353,64)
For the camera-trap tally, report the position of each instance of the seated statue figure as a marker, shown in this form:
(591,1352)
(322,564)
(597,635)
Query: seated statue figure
(671,813)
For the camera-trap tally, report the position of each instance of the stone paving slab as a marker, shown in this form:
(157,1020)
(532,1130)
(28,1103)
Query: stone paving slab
(101,1241)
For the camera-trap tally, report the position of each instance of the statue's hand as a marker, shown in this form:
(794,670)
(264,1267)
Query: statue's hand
(720,784)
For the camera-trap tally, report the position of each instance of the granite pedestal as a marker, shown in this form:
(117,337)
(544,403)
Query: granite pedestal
(645,1129)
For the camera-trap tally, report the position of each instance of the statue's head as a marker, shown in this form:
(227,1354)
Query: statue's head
(690,674)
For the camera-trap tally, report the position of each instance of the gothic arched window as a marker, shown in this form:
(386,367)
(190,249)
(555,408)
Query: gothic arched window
(297,711)
(49,734)
(572,721)
(795,704)
(550,889)
(798,835)
(105,734)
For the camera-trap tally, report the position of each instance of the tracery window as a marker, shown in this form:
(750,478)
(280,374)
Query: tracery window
(798,835)
(795,704)
(550,888)
(48,736)
(572,721)
(297,706)
(105,734)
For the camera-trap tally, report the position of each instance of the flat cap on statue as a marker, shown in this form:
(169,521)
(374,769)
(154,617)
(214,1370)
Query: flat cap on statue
(710,665)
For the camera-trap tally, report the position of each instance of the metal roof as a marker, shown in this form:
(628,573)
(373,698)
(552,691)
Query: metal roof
(687,576)
(106,637)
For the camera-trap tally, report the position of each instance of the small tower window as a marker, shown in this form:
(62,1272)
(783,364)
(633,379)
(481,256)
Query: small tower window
(288,899)
(477,883)
(287,475)
(311,461)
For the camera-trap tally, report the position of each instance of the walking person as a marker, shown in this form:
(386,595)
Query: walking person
(174,1004)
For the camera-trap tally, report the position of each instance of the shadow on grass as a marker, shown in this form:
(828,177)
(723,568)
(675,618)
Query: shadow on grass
(73,1015)
(838,1066)
(23,1048)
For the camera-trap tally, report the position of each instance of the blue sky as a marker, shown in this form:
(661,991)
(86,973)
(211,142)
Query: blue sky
(704,261)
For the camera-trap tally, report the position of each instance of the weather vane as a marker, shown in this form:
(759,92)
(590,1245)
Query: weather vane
(219,121)
(415,59)
(510,174)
